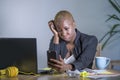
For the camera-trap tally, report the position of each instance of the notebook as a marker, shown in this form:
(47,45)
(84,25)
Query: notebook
(19,52)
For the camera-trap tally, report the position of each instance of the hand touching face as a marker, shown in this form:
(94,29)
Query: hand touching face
(52,27)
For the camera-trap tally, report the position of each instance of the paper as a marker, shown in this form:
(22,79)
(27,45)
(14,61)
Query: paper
(70,59)
(102,73)
(92,73)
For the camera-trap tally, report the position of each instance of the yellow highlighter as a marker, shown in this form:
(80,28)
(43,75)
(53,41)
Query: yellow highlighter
(84,74)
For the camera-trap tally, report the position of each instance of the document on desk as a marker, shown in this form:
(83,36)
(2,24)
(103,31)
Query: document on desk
(102,73)
(68,61)
(92,73)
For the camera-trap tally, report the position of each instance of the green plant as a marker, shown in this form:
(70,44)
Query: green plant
(115,29)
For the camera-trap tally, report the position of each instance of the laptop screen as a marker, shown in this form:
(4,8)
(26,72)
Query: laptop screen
(19,52)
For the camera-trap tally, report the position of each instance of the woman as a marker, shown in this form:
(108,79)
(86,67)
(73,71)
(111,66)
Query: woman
(69,42)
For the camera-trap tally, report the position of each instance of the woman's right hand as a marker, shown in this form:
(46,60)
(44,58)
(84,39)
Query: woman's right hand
(54,31)
(52,27)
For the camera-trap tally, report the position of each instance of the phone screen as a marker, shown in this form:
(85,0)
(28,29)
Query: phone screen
(51,55)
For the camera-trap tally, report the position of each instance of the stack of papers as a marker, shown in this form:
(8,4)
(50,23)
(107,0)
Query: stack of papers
(98,72)
(93,73)
(101,73)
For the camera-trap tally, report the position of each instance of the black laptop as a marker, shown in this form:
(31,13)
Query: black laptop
(19,52)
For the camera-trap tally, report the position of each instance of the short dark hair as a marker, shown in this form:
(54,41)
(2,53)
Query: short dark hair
(62,15)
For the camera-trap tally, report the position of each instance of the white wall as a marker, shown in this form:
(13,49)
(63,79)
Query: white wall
(29,18)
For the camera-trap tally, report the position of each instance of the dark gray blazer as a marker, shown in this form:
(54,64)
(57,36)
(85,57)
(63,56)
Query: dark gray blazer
(84,51)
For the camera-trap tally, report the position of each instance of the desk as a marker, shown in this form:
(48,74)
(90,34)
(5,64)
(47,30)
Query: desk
(60,77)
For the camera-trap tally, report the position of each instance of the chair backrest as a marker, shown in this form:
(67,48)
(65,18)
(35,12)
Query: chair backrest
(98,52)
(113,63)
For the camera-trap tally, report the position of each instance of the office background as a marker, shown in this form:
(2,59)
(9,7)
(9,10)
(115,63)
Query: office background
(29,18)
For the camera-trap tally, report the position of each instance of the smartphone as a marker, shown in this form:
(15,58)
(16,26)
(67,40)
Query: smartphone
(51,55)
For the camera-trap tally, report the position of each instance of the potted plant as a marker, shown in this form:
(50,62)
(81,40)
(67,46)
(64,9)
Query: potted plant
(114,30)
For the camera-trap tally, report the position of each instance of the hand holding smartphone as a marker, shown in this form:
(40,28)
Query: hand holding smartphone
(51,55)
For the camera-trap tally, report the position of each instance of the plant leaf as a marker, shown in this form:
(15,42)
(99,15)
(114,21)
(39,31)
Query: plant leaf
(106,41)
(113,40)
(113,17)
(103,37)
(110,34)
(114,27)
(115,5)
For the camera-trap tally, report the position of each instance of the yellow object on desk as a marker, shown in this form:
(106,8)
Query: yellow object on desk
(10,71)
(84,74)
(47,68)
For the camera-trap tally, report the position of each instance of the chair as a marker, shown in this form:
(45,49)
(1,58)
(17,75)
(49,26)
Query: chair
(114,63)
(98,52)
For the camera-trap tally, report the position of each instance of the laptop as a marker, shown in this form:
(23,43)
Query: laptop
(19,52)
